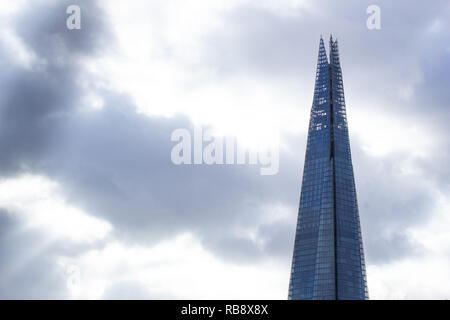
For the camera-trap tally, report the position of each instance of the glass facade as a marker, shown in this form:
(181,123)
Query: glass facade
(328,258)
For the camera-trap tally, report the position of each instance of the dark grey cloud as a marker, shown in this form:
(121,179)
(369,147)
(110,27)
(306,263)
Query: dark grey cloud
(44,29)
(33,100)
(389,203)
(384,249)
(115,163)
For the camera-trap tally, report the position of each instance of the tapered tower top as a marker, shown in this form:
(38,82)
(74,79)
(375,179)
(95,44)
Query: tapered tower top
(328,258)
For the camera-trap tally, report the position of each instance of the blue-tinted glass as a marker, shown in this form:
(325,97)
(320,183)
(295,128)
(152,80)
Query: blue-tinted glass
(328,258)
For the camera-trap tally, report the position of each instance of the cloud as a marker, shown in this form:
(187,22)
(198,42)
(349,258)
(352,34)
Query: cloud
(28,270)
(85,124)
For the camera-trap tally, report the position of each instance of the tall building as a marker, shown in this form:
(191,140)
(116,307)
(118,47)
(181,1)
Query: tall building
(328,258)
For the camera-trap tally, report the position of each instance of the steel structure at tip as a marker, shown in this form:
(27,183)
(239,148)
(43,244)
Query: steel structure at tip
(328,258)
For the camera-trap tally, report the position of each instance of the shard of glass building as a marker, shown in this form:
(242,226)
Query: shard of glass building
(328,259)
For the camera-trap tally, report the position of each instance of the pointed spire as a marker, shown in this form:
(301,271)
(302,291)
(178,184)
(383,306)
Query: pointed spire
(328,256)
(322,70)
(334,51)
(331,47)
(322,57)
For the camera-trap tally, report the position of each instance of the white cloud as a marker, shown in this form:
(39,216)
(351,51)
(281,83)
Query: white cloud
(382,134)
(164,73)
(177,268)
(38,202)
(17,50)
(11,7)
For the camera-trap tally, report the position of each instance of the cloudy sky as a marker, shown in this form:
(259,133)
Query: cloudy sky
(91,205)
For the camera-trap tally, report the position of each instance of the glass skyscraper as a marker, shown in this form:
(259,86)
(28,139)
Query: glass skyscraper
(328,259)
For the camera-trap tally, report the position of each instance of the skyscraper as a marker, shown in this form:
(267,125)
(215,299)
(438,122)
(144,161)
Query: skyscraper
(328,259)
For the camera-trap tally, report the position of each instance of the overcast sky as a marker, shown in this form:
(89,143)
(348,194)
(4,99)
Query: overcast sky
(91,205)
